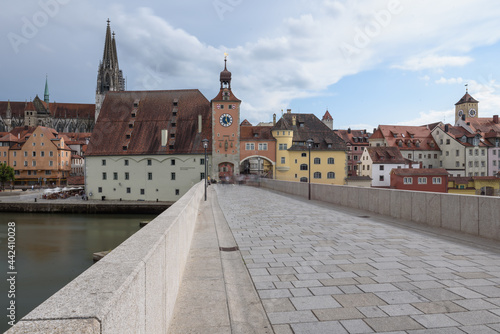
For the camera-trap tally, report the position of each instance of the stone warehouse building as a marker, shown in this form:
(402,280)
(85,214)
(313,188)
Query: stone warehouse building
(147,145)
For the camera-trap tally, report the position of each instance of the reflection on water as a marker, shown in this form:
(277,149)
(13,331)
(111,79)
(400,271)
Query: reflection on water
(52,249)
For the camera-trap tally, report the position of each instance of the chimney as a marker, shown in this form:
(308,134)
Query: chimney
(288,111)
(294,120)
(274,119)
(463,117)
(446,128)
(495,119)
(349,130)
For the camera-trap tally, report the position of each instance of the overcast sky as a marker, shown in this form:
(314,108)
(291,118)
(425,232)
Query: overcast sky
(367,62)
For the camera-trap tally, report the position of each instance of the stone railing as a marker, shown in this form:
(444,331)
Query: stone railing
(477,215)
(132,289)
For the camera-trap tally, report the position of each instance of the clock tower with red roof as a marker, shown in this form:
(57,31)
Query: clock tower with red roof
(225,130)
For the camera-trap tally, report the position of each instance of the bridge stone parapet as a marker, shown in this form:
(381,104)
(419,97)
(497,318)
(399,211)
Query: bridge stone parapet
(476,215)
(133,289)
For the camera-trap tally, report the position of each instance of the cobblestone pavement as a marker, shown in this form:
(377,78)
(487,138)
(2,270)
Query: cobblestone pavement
(323,269)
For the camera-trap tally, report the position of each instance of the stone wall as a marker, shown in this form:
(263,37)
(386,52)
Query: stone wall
(132,289)
(86,207)
(477,215)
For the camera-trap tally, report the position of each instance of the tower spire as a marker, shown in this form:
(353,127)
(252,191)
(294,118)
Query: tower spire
(46,93)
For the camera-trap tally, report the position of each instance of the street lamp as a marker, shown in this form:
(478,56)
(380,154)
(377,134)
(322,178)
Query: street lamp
(309,143)
(258,168)
(205,146)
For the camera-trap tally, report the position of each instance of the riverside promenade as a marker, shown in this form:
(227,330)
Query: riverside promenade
(310,267)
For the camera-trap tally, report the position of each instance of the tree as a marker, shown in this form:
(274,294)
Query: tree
(6,174)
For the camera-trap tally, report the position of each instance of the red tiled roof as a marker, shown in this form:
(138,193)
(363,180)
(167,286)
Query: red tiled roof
(155,112)
(419,171)
(256,133)
(411,136)
(56,109)
(349,136)
(386,155)
(327,116)
(245,123)
(467,99)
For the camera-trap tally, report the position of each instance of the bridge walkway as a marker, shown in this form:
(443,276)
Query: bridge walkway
(312,267)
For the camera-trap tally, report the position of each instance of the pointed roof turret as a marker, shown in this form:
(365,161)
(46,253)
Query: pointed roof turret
(115,54)
(109,56)
(225,75)
(327,116)
(46,93)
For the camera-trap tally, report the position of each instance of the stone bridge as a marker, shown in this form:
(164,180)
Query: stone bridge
(267,260)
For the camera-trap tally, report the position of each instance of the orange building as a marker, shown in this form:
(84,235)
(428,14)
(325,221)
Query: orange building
(257,150)
(38,155)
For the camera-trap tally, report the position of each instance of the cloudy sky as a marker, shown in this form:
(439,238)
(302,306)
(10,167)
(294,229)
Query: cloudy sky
(367,62)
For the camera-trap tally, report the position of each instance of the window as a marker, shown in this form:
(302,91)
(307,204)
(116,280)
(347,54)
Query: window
(381,178)
(172,176)
(126,176)
(422,180)
(447,153)
(330,175)
(177,192)
(262,146)
(25,153)
(283,147)
(150,176)
(303,155)
(142,191)
(42,154)
(483,164)
(303,167)
(172,162)
(317,175)
(476,152)
(457,164)
(103,163)
(381,167)
(15,163)
(476,163)
(202,161)
(251,146)
(282,160)
(407,180)
(48,172)
(458,153)
(128,190)
(125,162)
(331,161)
(15,154)
(303,179)
(104,176)
(317,161)
(447,142)
(202,176)
(483,152)
(115,176)
(33,163)
(150,162)
(51,154)
(99,189)
(436,180)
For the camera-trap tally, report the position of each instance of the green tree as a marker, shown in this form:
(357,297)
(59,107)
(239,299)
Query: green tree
(6,174)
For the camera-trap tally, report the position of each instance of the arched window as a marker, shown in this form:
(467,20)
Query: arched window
(331,161)
(303,167)
(303,155)
(317,175)
(331,175)
(317,161)
(303,179)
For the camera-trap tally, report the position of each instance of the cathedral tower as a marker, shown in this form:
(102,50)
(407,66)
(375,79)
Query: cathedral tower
(467,107)
(109,76)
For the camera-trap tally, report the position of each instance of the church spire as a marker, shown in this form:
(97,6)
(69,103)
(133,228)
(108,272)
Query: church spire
(46,93)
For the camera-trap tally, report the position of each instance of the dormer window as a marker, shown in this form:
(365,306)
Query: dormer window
(133,115)
(136,103)
(176,101)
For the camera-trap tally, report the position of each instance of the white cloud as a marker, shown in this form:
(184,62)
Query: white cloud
(433,62)
(449,81)
(431,116)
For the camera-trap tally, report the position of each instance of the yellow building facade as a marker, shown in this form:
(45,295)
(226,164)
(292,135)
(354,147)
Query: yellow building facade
(327,163)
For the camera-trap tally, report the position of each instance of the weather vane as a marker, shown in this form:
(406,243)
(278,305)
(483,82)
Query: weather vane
(225,55)
(466,87)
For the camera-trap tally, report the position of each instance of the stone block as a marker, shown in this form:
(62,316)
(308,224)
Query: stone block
(450,211)
(384,202)
(395,204)
(489,217)
(469,214)
(406,204)
(419,207)
(433,208)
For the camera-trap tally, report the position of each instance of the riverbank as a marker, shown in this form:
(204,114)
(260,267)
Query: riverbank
(32,202)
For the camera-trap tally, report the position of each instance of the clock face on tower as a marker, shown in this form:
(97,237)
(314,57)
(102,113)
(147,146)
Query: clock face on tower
(226,119)
(472,113)
(460,113)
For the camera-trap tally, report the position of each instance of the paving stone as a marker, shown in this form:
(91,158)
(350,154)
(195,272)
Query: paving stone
(377,287)
(314,302)
(475,304)
(399,309)
(326,327)
(388,324)
(301,292)
(435,320)
(360,299)
(371,311)
(356,326)
(326,290)
(400,297)
(341,313)
(275,293)
(479,329)
(277,305)
(475,318)
(291,317)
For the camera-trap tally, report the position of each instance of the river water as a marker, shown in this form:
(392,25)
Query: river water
(53,249)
